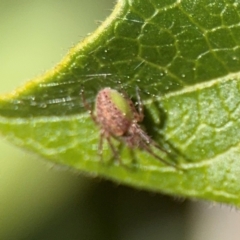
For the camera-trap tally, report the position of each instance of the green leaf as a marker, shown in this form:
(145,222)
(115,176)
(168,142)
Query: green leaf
(184,57)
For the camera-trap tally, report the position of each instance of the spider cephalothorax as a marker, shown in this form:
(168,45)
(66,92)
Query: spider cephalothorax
(118,118)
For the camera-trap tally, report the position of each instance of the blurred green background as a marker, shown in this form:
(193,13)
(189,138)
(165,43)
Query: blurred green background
(39,200)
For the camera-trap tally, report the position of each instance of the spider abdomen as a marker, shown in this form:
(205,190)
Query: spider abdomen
(113,112)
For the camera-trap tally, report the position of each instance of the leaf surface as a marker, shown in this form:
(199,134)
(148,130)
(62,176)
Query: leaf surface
(184,57)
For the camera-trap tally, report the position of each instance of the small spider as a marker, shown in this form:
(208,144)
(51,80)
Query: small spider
(118,118)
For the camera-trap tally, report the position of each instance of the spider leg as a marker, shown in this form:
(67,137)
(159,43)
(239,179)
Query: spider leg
(114,151)
(145,144)
(105,135)
(159,147)
(148,140)
(87,106)
(100,145)
(140,106)
(143,135)
(150,151)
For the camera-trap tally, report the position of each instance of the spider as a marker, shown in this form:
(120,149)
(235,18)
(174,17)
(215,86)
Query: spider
(118,118)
